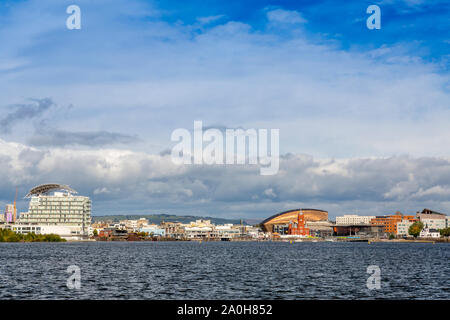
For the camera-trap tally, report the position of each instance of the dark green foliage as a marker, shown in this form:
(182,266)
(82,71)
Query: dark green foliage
(445,232)
(11,236)
(415,228)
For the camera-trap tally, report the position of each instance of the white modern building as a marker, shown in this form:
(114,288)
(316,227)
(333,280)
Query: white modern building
(353,219)
(198,232)
(403,227)
(433,219)
(437,224)
(227,231)
(429,233)
(55,209)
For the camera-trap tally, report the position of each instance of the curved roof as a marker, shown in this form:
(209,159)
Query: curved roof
(284,212)
(45,188)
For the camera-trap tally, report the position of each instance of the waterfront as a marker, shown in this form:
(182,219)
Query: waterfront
(217,270)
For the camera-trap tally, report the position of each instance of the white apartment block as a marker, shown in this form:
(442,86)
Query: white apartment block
(403,227)
(61,213)
(349,219)
(437,224)
(429,233)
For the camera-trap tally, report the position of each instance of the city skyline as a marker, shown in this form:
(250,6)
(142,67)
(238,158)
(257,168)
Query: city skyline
(362,113)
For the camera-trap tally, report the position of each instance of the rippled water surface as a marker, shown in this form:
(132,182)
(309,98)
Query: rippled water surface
(224,270)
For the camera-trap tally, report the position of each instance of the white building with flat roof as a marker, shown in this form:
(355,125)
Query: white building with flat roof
(433,219)
(403,227)
(429,233)
(352,219)
(61,213)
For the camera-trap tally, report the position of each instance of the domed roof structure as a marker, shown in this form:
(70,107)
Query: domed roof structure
(46,188)
(291,215)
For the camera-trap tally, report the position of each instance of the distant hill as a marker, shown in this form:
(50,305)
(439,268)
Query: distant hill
(158,218)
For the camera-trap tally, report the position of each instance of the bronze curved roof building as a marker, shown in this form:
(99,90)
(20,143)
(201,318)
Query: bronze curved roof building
(291,215)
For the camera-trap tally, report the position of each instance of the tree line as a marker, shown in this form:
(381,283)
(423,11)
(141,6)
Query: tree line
(11,236)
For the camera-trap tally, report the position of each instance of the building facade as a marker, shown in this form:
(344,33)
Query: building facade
(353,219)
(51,211)
(9,214)
(403,228)
(279,223)
(432,219)
(153,230)
(389,223)
(429,233)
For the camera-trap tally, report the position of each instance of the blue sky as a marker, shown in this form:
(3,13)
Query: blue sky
(363,114)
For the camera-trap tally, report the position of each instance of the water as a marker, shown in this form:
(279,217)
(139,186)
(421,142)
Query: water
(224,270)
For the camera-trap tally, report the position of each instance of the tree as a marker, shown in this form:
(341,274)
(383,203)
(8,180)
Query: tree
(415,229)
(445,232)
(95,233)
(391,236)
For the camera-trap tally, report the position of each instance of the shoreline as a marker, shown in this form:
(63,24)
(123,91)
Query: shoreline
(368,241)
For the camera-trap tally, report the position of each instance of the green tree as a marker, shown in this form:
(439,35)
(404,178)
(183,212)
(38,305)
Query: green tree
(391,236)
(445,232)
(95,232)
(415,229)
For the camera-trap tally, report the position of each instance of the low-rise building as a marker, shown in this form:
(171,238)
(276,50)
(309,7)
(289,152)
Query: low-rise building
(173,230)
(226,231)
(64,231)
(153,230)
(353,219)
(129,225)
(389,223)
(429,233)
(432,219)
(321,229)
(198,232)
(403,227)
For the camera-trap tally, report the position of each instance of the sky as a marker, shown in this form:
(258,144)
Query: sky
(363,114)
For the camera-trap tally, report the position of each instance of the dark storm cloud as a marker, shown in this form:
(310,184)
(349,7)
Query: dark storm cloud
(121,181)
(48,135)
(24,112)
(165,152)
(60,138)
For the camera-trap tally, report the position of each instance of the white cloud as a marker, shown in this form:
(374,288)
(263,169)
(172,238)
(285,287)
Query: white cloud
(326,101)
(285,16)
(209,19)
(350,109)
(127,181)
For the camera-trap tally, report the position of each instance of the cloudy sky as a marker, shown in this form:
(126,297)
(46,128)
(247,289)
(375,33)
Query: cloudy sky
(364,115)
